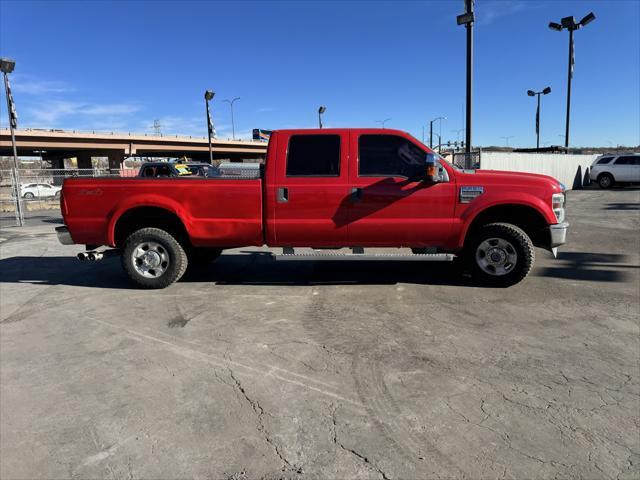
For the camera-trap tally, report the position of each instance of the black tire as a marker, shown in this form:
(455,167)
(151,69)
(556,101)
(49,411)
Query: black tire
(513,246)
(605,180)
(174,255)
(202,256)
(29,196)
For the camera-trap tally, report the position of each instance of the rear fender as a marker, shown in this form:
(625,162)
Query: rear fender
(145,200)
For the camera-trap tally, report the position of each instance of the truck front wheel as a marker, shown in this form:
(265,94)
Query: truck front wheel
(500,255)
(153,258)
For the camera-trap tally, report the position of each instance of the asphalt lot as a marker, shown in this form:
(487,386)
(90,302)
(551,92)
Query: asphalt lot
(257,369)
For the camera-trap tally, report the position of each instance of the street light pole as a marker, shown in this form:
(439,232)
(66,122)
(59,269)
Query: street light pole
(383,121)
(6,66)
(569,77)
(467,20)
(233,126)
(208,95)
(569,23)
(321,110)
(431,129)
(531,93)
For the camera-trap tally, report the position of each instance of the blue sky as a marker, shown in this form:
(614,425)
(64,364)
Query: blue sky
(120,65)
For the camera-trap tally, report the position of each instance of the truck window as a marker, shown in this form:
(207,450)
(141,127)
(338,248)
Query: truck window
(604,160)
(389,156)
(313,156)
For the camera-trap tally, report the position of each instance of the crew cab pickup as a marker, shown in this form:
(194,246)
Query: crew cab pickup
(322,189)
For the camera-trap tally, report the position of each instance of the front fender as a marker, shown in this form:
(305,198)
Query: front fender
(489,200)
(145,200)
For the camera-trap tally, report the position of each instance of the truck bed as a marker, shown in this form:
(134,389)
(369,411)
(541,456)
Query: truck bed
(222,212)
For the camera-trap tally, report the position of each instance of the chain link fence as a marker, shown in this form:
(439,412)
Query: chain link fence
(30,196)
(467,161)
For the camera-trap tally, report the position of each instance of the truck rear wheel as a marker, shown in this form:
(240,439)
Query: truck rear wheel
(500,255)
(153,258)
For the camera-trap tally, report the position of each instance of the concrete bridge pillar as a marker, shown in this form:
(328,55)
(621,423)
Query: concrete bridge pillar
(84,160)
(115,160)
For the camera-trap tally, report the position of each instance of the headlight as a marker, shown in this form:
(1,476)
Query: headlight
(557,204)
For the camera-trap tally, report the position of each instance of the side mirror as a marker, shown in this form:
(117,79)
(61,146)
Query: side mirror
(431,169)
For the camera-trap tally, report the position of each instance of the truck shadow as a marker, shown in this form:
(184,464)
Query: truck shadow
(595,267)
(260,268)
(255,268)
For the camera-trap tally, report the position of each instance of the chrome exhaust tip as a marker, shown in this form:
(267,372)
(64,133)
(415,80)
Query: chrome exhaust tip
(82,256)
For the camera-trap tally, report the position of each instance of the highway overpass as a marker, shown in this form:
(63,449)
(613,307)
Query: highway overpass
(56,145)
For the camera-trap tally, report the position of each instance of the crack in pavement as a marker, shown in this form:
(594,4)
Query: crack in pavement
(259,411)
(351,450)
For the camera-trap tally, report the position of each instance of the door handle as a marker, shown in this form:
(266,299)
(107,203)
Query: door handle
(283,195)
(356,194)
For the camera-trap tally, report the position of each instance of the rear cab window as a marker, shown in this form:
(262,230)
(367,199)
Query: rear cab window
(313,156)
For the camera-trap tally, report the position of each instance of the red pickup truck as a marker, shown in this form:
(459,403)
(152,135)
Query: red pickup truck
(322,189)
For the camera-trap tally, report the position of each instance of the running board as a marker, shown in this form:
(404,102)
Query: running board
(289,254)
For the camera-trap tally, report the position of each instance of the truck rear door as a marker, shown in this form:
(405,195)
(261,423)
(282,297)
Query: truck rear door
(311,189)
(389,208)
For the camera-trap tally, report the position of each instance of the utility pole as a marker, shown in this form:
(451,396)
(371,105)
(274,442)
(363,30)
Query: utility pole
(157,128)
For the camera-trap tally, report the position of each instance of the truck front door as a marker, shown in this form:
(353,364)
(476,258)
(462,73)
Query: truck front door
(310,190)
(389,205)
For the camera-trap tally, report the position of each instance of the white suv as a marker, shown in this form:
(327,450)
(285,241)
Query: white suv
(609,169)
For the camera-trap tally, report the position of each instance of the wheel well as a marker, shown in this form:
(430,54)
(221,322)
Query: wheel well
(608,174)
(526,218)
(143,217)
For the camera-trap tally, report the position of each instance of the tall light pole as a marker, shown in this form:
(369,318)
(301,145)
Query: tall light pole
(233,126)
(208,95)
(383,121)
(321,110)
(6,66)
(531,93)
(506,139)
(569,23)
(431,129)
(467,19)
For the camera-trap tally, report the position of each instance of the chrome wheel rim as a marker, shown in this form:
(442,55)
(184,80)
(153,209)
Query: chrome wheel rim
(496,256)
(605,181)
(150,259)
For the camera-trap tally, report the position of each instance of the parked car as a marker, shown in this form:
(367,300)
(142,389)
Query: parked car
(324,189)
(177,169)
(39,190)
(607,170)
